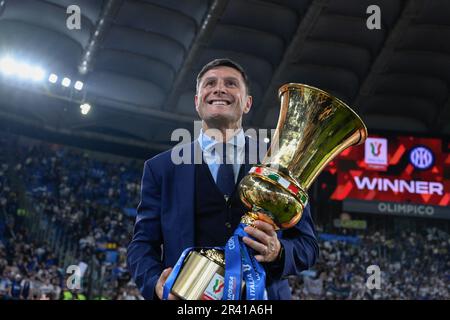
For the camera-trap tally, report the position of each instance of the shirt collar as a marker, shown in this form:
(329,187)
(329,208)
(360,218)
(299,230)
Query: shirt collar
(206,142)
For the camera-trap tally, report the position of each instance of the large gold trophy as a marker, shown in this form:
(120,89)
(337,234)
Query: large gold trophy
(313,128)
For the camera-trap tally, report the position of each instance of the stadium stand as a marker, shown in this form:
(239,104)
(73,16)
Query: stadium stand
(70,213)
(413,266)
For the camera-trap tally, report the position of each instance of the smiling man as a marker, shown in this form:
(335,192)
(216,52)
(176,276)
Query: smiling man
(197,205)
(222,97)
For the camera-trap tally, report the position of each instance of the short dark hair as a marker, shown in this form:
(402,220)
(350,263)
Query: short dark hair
(224,62)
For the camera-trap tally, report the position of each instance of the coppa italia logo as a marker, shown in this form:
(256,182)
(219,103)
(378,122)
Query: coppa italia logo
(214,290)
(218,286)
(375,148)
(376,154)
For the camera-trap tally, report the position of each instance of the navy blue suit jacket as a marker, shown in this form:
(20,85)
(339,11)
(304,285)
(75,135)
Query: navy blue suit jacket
(165,227)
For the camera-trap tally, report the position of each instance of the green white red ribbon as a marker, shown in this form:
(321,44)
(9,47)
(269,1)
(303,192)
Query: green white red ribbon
(302,196)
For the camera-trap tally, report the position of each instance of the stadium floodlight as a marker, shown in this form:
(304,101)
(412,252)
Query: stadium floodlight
(53,78)
(23,70)
(85,108)
(37,74)
(66,82)
(78,85)
(8,66)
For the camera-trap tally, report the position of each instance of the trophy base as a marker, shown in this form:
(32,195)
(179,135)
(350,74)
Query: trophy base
(201,277)
(251,216)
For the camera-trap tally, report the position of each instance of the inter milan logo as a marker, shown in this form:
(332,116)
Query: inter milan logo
(421,157)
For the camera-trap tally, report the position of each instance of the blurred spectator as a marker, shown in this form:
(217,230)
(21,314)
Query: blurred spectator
(80,198)
(413,266)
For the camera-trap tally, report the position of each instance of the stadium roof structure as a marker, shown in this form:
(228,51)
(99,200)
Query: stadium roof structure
(138,60)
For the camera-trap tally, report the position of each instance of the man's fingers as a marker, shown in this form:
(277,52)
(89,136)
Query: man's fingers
(266,241)
(165,274)
(264,226)
(172,297)
(257,234)
(160,284)
(164,277)
(260,258)
(255,245)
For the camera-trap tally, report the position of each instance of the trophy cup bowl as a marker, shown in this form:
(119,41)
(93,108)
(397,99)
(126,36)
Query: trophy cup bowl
(313,128)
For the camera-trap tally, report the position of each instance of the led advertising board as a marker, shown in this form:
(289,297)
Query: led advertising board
(399,175)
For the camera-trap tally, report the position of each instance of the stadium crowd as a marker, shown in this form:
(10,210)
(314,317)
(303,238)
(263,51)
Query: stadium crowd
(411,266)
(80,201)
(83,205)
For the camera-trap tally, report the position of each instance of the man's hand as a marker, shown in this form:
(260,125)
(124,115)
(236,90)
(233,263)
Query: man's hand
(159,285)
(267,243)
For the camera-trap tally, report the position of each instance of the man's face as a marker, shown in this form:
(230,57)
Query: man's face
(222,98)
